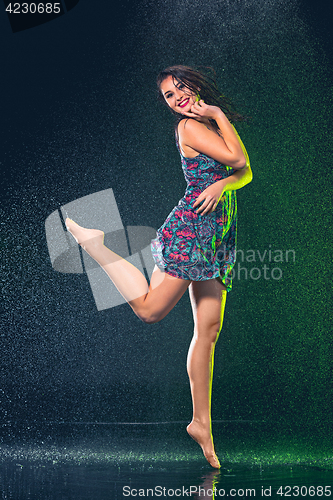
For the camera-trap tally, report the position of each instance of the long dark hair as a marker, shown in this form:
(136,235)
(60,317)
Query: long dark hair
(194,79)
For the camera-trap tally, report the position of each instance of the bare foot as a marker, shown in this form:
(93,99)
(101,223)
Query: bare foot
(85,237)
(202,436)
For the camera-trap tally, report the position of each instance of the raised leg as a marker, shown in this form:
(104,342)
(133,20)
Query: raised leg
(208,302)
(151,303)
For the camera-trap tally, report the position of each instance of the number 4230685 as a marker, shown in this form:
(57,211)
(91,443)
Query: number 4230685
(304,491)
(34,8)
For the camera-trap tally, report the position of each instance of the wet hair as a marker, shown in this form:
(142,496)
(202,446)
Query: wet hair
(194,80)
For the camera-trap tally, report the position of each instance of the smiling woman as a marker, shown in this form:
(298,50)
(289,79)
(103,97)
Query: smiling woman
(196,246)
(179,87)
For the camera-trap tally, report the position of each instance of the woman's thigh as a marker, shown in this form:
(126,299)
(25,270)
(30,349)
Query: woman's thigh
(208,302)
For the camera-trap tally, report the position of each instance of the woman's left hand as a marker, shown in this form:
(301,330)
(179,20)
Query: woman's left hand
(209,198)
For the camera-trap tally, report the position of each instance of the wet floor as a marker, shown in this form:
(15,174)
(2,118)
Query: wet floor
(80,482)
(112,461)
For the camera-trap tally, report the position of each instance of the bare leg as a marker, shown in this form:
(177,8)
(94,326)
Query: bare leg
(150,303)
(208,302)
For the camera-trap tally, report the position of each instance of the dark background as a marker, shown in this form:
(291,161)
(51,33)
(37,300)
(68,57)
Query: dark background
(80,115)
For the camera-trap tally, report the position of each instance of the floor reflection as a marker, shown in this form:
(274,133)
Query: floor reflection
(94,461)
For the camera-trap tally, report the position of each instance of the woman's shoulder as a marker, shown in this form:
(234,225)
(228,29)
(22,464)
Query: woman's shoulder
(186,123)
(188,136)
(191,129)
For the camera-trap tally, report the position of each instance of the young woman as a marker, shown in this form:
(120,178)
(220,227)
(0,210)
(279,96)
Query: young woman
(196,246)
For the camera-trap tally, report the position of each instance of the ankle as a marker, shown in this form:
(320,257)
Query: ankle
(201,420)
(202,424)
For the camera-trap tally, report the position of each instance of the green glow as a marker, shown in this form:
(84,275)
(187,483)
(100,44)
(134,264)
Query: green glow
(214,243)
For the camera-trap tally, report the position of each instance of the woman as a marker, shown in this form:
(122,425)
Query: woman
(195,247)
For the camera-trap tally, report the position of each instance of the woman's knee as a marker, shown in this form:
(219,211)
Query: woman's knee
(208,332)
(148,315)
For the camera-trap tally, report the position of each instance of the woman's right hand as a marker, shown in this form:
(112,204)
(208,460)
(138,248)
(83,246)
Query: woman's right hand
(202,110)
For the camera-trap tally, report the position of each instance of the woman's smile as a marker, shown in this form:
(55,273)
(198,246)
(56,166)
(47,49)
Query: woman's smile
(184,102)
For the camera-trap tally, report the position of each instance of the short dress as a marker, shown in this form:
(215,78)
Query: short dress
(199,247)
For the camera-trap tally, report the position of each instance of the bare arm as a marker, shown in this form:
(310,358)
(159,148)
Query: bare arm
(242,176)
(197,135)
(237,180)
(229,150)
(211,196)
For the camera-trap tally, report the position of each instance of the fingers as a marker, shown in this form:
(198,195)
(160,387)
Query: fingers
(191,115)
(197,201)
(208,206)
(196,110)
(202,200)
(209,209)
(199,103)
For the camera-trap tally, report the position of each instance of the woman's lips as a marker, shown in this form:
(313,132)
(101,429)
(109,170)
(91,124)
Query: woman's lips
(184,103)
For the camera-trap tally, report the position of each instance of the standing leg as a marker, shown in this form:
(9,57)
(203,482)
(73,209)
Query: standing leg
(208,301)
(150,303)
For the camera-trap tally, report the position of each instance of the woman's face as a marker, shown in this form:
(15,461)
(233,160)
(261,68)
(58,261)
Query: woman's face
(177,96)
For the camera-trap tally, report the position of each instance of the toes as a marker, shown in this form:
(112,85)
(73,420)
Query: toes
(214,462)
(69,223)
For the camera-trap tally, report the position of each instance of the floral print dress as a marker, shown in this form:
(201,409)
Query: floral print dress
(193,246)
